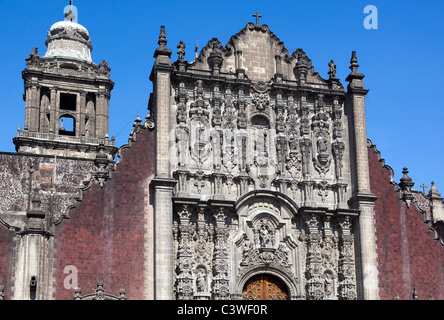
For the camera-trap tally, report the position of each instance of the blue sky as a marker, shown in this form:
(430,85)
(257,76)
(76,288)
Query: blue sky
(403,59)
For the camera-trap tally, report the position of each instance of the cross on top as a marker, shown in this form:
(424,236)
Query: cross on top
(257,15)
(424,187)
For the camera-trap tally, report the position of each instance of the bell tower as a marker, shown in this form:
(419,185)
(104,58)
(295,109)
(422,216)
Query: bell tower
(67,97)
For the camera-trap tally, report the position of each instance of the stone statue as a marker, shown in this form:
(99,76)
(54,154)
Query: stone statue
(181,51)
(264,236)
(201,281)
(332,70)
(322,145)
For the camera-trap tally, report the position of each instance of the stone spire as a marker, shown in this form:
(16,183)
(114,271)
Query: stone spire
(162,53)
(355,77)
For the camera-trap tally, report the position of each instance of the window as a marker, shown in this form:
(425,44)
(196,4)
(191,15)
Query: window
(67,126)
(68,102)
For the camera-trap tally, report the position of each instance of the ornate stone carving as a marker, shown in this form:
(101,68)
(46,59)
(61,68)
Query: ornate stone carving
(347,280)
(34,59)
(221,280)
(99,293)
(215,58)
(104,69)
(261,98)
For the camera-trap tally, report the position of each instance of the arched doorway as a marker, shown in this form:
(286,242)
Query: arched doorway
(265,287)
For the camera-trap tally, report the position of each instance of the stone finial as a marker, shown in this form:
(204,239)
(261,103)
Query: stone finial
(355,77)
(415,294)
(162,50)
(354,62)
(406,185)
(406,182)
(433,192)
(162,37)
(122,293)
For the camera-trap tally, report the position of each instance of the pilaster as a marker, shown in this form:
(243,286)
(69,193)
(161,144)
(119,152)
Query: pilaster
(362,198)
(163,183)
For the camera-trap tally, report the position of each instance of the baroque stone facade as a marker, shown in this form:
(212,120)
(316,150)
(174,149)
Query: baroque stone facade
(251,177)
(259,145)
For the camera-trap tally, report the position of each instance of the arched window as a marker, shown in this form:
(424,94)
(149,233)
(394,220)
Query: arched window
(67,126)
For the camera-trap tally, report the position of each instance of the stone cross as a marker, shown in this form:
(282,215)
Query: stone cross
(257,15)
(424,188)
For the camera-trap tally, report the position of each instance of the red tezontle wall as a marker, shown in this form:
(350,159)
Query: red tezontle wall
(105,234)
(408,256)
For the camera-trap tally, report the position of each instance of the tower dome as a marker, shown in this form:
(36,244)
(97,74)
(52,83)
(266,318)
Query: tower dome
(68,39)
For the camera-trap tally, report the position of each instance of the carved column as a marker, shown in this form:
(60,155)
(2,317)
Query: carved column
(221,263)
(314,286)
(184,280)
(347,279)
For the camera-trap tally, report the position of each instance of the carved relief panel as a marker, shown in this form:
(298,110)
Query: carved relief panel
(218,250)
(290,141)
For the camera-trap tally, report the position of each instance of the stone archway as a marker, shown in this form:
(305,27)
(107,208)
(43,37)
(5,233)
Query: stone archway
(265,287)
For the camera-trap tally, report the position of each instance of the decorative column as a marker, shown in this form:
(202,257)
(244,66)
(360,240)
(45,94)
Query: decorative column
(221,264)
(362,198)
(347,279)
(184,289)
(315,285)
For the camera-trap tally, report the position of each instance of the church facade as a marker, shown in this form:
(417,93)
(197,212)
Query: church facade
(251,177)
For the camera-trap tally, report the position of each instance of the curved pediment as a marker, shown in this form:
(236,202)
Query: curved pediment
(259,53)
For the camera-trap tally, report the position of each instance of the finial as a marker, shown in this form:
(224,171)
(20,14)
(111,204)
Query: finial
(354,62)
(196,49)
(415,294)
(406,182)
(162,49)
(257,15)
(433,192)
(162,37)
(355,77)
